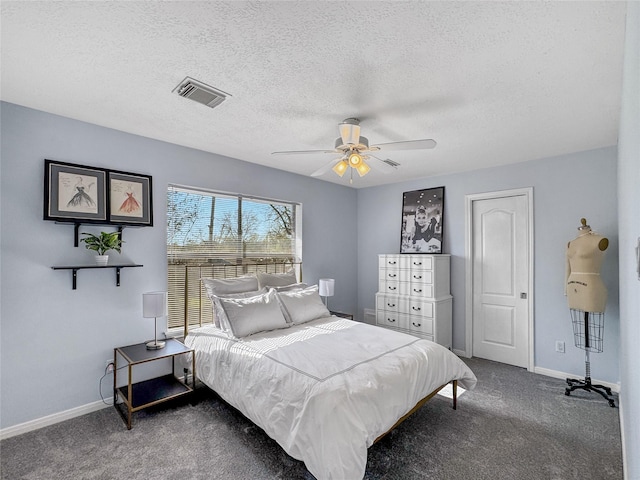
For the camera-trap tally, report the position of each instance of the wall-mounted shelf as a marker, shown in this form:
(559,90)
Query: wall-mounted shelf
(75,268)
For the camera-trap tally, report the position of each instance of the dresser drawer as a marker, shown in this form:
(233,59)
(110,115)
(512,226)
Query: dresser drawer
(393,274)
(417,289)
(393,287)
(393,261)
(421,276)
(421,263)
(387,302)
(421,325)
(417,307)
(387,318)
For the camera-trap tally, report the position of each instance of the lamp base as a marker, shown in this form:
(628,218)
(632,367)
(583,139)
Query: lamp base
(155,345)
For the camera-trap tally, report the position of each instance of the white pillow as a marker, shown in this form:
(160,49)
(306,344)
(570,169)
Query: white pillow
(228,286)
(276,279)
(223,286)
(302,306)
(294,286)
(253,314)
(219,315)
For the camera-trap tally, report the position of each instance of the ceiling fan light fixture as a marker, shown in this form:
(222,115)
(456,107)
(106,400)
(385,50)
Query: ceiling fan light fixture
(363,168)
(341,167)
(355,159)
(350,131)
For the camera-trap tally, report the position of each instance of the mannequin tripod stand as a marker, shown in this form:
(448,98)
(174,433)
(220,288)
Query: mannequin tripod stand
(587,332)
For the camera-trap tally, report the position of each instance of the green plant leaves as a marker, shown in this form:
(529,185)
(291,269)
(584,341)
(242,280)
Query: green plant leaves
(104,242)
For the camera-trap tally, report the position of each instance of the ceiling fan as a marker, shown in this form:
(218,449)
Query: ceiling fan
(354,150)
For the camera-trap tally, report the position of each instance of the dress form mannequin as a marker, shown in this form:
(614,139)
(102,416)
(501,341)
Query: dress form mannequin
(583,286)
(587,298)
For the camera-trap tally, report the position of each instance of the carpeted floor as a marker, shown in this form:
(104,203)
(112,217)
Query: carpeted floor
(515,425)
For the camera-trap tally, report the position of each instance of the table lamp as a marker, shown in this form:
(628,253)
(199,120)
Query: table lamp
(325,289)
(154,305)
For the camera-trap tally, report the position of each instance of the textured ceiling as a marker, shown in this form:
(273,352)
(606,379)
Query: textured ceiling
(492,82)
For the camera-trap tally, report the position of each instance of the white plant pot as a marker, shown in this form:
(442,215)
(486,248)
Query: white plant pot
(102,260)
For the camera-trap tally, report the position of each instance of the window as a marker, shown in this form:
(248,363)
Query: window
(221,235)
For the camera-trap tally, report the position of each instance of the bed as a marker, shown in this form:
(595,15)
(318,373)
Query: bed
(324,387)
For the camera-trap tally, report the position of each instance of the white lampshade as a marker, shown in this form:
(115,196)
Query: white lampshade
(154,304)
(326,287)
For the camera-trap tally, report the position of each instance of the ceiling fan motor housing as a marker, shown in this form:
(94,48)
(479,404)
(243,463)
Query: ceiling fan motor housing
(349,131)
(363,144)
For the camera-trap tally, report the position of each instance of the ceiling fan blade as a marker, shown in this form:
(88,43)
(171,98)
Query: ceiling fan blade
(325,168)
(381,165)
(407,145)
(302,152)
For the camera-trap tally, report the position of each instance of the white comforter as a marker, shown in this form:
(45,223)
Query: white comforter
(326,389)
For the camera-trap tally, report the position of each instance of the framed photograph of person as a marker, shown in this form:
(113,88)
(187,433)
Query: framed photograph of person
(130,199)
(422,221)
(74,193)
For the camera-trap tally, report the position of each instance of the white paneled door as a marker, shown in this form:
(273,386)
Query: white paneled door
(500,263)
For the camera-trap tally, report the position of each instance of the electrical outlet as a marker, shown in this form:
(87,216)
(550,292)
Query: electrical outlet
(559,346)
(108,365)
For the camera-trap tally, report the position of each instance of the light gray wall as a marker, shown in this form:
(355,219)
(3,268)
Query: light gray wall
(55,340)
(565,189)
(629,219)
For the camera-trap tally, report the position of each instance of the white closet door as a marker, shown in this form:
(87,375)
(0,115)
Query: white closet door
(500,279)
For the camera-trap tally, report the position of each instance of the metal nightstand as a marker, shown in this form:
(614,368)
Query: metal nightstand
(136,396)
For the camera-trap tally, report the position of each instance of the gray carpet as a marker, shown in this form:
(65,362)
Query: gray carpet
(514,425)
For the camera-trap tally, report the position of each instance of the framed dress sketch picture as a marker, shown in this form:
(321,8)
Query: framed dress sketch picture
(130,198)
(74,193)
(422,221)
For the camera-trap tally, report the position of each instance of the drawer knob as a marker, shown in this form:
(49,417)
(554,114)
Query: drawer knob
(392,288)
(416,324)
(392,263)
(417,263)
(392,275)
(391,304)
(391,320)
(417,277)
(417,290)
(417,309)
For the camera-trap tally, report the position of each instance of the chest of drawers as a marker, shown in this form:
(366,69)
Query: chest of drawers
(414,295)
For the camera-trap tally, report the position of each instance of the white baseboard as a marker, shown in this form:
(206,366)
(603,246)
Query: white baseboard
(55,418)
(625,460)
(615,387)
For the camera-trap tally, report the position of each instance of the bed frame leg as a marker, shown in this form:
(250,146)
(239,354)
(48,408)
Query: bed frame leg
(455,394)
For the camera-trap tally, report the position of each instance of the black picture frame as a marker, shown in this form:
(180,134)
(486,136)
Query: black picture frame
(130,198)
(422,221)
(74,193)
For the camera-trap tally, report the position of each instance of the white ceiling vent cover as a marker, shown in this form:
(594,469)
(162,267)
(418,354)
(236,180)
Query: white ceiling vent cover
(388,161)
(200,92)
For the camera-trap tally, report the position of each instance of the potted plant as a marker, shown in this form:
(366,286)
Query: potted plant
(102,244)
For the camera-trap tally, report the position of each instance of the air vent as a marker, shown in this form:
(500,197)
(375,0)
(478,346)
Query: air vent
(200,92)
(391,162)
